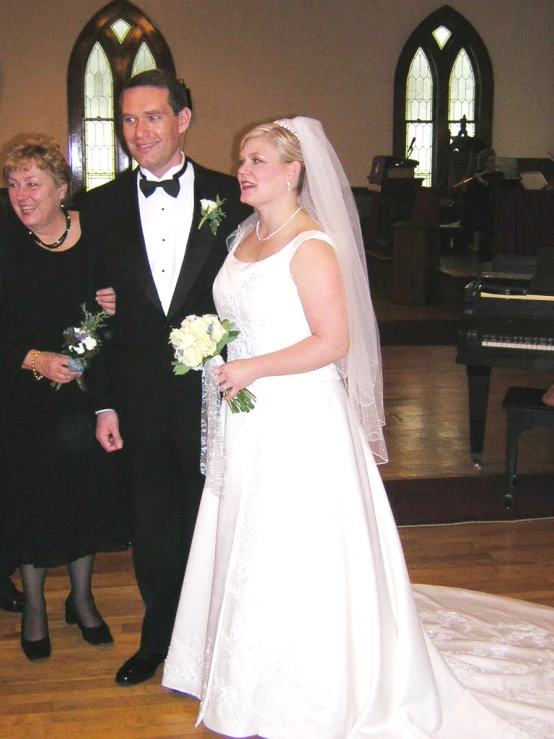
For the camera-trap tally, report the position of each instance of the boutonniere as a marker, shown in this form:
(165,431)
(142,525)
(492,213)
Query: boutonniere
(211,211)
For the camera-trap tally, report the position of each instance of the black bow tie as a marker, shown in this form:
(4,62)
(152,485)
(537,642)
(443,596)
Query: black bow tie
(171,186)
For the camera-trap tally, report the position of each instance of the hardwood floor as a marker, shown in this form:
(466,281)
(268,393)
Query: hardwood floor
(510,558)
(73,694)
(426,406)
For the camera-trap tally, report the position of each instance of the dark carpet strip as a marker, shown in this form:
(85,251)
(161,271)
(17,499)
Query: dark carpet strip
(463,499)
(414,333)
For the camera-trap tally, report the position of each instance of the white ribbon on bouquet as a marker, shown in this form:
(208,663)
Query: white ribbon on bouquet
(212,450)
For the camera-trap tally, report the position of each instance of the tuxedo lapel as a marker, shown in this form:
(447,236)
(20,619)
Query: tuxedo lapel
(130,238)
(199,245)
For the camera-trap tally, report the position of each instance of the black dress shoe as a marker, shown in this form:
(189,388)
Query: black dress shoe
(97,635)
(36,650)
(139,668)
(10,598)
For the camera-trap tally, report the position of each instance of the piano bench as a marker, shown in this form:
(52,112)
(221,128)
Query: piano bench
(525,410)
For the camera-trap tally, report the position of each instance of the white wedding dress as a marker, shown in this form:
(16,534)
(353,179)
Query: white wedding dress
(297,618)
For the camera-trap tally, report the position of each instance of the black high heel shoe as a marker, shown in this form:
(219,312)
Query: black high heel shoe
(97,635)
(37,649)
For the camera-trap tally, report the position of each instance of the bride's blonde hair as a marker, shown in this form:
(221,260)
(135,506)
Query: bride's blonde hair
(284,140)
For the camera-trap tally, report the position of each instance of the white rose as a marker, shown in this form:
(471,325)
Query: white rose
(181,338)
(206,345)
(215,329)
(198,330)
(208,205)
(192,358)
(90,343)
(188,321)
(218,332)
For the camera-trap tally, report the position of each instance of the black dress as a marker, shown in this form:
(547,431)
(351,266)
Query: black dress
(62,496)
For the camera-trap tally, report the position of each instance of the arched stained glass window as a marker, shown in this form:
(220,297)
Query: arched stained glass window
(419,114)
(461,97)
(144,60)
(443,87)
(117,43)
(99,130)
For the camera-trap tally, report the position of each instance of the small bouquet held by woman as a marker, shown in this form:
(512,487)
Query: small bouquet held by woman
(82,343)
(201,338)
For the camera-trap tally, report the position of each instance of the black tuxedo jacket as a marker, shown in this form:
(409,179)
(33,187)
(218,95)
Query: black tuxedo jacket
(143,389)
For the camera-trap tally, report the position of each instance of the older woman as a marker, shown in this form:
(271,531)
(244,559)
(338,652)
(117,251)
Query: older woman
(60,503)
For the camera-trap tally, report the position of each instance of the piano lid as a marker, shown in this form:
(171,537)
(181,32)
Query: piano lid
(533,272)
(510,267)
(542,281)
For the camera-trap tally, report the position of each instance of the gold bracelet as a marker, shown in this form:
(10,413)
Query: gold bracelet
(36,374)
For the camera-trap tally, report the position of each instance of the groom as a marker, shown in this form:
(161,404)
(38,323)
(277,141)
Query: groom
(163,267)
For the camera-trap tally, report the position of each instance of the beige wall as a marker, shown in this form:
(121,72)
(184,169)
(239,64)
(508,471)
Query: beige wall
(250,60)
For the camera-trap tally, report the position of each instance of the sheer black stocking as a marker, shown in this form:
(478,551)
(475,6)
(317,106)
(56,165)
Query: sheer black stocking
(82,599)
(34,624)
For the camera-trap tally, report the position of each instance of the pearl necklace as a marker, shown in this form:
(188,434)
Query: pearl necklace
(281,227)
(59,241)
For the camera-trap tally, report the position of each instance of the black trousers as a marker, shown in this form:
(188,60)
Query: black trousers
(165,488)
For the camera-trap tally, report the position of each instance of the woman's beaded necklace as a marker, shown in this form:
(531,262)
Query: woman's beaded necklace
(59,241)
(281,227)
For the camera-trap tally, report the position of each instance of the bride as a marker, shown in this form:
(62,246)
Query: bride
(297,618)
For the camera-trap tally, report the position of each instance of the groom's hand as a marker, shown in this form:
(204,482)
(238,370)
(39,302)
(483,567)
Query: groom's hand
(107,431)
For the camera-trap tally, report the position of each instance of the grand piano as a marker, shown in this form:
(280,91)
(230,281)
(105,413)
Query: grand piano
(508,321)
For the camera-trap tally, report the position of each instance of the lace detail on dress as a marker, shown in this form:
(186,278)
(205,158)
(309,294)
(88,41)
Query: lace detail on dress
(443,624)
(522,728)
(234,649)
(235,684)
(478,650)
(244,345)
(191,670)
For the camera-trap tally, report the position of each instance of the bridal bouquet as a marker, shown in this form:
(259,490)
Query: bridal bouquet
(82,343)
(200,338)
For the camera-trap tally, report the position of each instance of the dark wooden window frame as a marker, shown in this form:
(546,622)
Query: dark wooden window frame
(120,57)
(441,62)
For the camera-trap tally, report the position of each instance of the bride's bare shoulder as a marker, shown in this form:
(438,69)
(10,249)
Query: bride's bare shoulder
(307,223)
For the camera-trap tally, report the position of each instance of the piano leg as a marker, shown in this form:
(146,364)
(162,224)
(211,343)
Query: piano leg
(512,438)
(478,383)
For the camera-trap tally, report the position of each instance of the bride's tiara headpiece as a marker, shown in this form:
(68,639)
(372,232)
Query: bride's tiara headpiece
(288,127)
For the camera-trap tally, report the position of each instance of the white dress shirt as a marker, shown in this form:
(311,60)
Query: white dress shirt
(166,223)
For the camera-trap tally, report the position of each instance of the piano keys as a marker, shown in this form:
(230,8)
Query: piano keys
(507,322)
(521,343)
